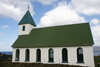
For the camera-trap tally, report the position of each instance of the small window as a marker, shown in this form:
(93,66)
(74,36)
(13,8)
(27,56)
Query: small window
(23,28)
(80,55)
(38,55)
(27,55)
(17,55)
(64,55)
(51,55)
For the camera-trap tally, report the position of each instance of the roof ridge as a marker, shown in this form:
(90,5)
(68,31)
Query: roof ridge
(62,25)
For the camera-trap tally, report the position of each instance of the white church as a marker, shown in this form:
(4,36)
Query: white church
(65,44)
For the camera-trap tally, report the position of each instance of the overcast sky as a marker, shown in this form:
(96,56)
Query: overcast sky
(47,13)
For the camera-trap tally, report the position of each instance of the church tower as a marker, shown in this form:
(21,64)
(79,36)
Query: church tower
(26,24)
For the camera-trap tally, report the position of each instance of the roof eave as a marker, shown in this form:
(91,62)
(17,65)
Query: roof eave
(52,46)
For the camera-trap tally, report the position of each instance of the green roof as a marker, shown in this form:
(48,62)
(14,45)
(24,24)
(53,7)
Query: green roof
(66,35)
(27,18)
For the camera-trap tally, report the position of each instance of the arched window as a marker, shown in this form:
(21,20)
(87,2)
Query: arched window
(64,55)
(27,55)
(23,28)
(38,55)
(51,55)
(80,55)
(17,55)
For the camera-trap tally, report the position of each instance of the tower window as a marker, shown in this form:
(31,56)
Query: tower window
(23,28)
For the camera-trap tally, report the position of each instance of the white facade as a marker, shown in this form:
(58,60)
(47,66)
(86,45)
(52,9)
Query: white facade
(28,28)
(72,55)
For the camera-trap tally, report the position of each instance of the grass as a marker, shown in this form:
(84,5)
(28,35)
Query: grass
(97,59)
(10,64)
(6,61)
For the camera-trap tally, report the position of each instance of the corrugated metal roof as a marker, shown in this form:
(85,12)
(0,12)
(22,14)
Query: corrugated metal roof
(66,35)
(27,18)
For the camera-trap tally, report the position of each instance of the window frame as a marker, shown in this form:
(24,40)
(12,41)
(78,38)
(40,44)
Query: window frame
(38,55)
(80,57)
(23,28)
(17,55)
(51,59)
(64,55)
(27,55)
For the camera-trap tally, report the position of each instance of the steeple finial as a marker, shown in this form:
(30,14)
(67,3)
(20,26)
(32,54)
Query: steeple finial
(28,6)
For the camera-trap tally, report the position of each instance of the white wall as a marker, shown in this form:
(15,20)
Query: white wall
(72,55)
(28,28)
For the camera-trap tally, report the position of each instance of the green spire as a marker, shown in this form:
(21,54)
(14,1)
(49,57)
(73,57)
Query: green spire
(27,19)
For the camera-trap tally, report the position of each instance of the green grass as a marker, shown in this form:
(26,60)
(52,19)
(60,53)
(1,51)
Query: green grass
(97,59)
(10,64)
(6,61)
